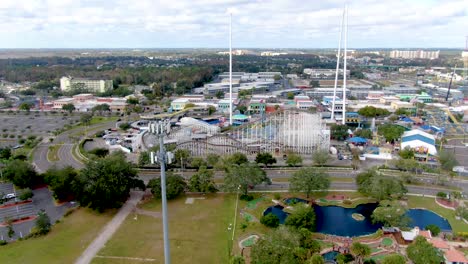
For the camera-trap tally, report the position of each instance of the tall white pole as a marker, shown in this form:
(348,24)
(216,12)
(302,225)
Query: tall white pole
(230,69)
(337,68)
(344,69)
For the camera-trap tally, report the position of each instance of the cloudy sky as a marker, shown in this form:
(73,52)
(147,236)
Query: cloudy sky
(205,23)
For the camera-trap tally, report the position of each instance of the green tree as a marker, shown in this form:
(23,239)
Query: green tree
(60,182)
(372,184)
(237,260)
(144,158)
(364,133)
(290,95)
(390,132)
(314,84)
(202,181)
(211,110)
(212,159)
(106,183)
(86,119)
(293,159)
(175,186)
(360,251)
(99,152)
(406,153)
(401,111)
(182,156)
(219,94)
(303,216)
(370,111)
(391,214)
(198,162)
(265,158)
(237,158)
(320,157)
(26,194)
(422,252)
(43,224)
(69,107)
(20,173)
(25,107)
(5,153)
(101,108)
(270,220)
(133,101)
(393,259)
(124,126)
(344,258)
(308,180)
(339,132)
(246,176)
(316,259)
(435,230)
(276,247)
(242,109)
(447,160)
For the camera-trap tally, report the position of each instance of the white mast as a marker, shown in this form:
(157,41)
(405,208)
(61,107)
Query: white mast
(230,69)
(344,69)
(337,68)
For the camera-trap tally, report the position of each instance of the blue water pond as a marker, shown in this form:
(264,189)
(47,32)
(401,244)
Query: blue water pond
(336,220)
(294,200)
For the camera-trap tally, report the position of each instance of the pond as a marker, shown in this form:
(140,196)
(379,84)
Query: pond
(294,200)
(336,220)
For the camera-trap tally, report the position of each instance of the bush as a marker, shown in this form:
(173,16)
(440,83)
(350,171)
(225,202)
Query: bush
(3,242)
(270,220)
(100,152)
(442,195)
(27,194)
(277,196)
(246,197)
(347,202)
(124,126)
(435,230)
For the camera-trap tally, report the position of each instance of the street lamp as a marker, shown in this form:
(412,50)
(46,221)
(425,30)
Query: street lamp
(161,129)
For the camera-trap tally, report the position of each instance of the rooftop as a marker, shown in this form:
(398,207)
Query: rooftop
(454,255)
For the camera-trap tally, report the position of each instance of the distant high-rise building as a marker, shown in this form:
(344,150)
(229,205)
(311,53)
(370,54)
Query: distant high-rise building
(465,58)
(96,86)
(414,54)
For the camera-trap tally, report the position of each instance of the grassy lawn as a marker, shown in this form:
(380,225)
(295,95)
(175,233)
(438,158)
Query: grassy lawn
(429,203)
(52,154)
(63,244)
(198,232)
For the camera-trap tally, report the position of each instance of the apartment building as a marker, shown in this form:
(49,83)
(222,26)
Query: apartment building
(96,86)
(414,54)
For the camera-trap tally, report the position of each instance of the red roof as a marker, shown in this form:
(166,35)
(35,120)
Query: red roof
(425,233)
(439,243)
(454,255)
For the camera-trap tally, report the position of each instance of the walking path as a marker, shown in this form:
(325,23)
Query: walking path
(108,230)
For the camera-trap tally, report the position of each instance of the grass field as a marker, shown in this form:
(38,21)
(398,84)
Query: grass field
(198,233)
(429,203)
(63,244)
(52,154)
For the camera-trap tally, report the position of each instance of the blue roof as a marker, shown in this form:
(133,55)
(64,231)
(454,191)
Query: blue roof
(407,119)
(425,127)
(357,140)
(418,137)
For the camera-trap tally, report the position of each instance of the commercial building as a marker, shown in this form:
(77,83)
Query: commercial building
(96,86)
(324,73)
(414,54)
(421,142)
(256,106)
(319,93)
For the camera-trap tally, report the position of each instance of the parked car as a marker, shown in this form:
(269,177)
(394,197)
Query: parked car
(9,196)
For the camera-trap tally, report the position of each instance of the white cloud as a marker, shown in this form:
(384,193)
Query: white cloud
(204,23)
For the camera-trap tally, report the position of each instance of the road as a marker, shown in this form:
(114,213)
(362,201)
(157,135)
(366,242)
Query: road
(282,174)
(65,155)
(108,230)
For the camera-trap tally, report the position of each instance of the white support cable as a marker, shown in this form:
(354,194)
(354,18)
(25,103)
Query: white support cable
(344,69)
(230,69)
(337,67)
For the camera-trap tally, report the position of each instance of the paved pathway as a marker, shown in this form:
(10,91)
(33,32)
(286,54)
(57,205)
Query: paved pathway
(108,230)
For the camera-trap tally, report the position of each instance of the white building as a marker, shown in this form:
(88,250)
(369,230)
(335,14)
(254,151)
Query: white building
(97,86)
(324,73)
(414,54)
(421,142)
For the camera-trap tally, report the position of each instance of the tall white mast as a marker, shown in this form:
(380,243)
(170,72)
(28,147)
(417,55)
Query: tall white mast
(337,68)
(230,69)
(344,68)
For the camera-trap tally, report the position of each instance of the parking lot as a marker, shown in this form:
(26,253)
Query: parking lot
(42,200)
(38,124)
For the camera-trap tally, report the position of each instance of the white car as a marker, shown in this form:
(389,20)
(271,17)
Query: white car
(9,196)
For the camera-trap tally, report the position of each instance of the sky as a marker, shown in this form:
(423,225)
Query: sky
(255,23)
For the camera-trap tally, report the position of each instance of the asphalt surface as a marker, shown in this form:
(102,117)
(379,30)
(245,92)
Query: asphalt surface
(66,157)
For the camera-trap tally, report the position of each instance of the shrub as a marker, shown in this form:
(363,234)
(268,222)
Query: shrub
(277,196)
(270,220)
(3,242)
(347,202)
(27,194)
(435,230)
(100,152)
(246,197)
(442,195)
